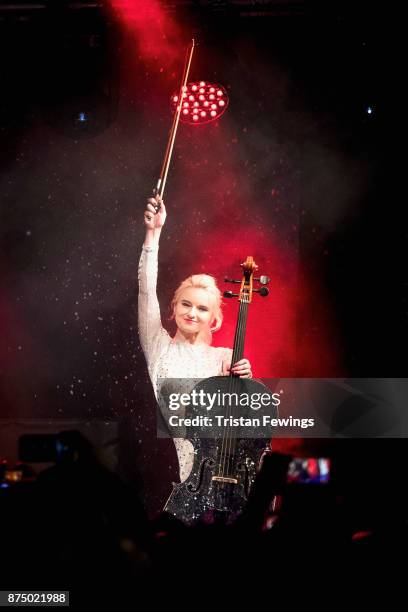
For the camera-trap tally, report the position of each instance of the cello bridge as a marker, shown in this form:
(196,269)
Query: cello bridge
(224,479)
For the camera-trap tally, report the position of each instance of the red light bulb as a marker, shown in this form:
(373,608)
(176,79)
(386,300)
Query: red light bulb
(200,102)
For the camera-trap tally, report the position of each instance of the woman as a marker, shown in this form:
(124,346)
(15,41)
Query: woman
(197,313)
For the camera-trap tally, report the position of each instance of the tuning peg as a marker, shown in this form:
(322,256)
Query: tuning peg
(263,291)
(264,280)
(231,280)
(229,294)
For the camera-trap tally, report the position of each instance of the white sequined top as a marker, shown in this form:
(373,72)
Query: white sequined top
(167,357)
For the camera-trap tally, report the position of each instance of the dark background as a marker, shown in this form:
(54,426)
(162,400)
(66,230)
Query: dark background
(296,171)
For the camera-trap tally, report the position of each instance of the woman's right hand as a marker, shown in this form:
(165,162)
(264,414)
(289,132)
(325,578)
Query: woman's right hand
(154,220)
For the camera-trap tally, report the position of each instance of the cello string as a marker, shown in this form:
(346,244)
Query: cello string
(235,385)
(241,351)
(222,456)
(230,387)
(238,382)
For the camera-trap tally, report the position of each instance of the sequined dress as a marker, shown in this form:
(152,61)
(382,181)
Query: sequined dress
(167,357)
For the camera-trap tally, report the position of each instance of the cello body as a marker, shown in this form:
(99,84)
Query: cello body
(224,467)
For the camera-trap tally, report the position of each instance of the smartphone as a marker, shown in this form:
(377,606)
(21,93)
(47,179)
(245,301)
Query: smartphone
(310,470)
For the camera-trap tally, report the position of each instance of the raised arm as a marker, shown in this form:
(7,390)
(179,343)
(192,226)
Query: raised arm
(149,320)
(154,220)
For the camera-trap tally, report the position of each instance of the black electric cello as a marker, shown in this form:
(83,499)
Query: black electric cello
(225,467)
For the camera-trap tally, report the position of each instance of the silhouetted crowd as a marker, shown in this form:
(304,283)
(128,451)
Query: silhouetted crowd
(78,527)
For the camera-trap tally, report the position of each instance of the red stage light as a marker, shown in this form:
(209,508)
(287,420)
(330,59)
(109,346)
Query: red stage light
(197,111)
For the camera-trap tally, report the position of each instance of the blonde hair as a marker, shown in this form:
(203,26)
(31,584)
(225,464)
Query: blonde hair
(202,281)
